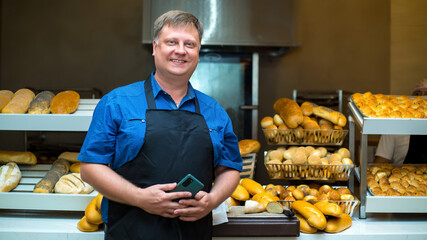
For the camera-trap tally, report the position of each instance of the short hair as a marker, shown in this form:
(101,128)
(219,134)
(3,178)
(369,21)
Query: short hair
(176,18)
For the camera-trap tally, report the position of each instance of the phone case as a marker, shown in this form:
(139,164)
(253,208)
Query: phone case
(189,183)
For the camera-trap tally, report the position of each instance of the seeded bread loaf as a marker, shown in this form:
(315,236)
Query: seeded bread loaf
(59,168)
(41,103)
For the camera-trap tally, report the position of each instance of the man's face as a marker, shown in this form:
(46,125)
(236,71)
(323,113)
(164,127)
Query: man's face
(177,51)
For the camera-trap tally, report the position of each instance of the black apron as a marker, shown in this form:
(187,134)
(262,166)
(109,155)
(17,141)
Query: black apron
(417,152)
(177,142)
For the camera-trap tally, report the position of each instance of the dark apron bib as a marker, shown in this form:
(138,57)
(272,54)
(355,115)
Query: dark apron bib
(417,152)
(177,142)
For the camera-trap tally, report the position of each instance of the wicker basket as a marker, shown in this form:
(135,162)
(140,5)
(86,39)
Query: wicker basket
(305,137)
(308,171)
(348,206)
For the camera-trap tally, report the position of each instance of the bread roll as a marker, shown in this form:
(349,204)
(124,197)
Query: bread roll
(304,226)
(247,146)
(329,209)
(65,102)
(20,101)
(335,225)
(330,115)
(72,184)
(27,158)
(41,103)
(266,121)
(289,111)
(277,120)
(313,215)
(5,96)
(10,175)
(84,226)
(59,168)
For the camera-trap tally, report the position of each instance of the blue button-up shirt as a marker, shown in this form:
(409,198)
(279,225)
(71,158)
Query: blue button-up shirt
(117,130)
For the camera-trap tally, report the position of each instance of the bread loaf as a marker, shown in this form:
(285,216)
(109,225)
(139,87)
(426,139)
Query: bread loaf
(27,158)
(313,215)
(304,226)
(69,156)
(59,168)
(10,175)
(20,101)
(240,193)
(289,111)
(247,146)
(340,224)
(329,209)
(93,213)
(252,186)
(334,116)
(72,184)
(253,207)
(307,108)
(5,96)
(41,103)
(65,102)
(84,226)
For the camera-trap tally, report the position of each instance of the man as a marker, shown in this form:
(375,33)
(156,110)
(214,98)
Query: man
(153,133)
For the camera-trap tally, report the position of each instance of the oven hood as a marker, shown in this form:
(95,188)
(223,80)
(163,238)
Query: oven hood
(233,25)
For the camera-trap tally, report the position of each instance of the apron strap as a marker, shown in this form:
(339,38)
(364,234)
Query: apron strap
(149,96)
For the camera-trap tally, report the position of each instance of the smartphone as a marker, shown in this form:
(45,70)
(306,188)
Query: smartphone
(189,184)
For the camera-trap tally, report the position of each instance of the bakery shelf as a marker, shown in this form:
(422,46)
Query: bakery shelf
(371,126)
(23,198)
(78,121)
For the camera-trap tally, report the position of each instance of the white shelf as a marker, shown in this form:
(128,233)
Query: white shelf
(78,121)
(23,197)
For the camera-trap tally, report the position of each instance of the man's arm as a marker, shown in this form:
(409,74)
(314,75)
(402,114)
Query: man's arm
(154,199)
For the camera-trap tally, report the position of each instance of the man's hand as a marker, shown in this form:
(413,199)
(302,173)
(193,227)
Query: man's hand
(195,209)
(159,201)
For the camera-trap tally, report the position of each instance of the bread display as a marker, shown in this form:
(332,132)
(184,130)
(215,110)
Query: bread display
(247,146)
(10,175)
(72,184)
(20,101)
(308,162)
(41,103)
(65,102)
(397,180)
(390,106)
(5,96)
(47,185)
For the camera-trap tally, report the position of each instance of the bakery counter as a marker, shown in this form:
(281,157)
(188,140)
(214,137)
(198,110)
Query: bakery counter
(62,225)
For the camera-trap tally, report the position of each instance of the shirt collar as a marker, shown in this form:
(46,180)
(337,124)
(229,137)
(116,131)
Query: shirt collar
(156,89)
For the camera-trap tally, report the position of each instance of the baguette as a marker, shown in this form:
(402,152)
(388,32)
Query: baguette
(10,175)
(329,209)
(69,156)
(334,116)
(289,111)
(72,184)
(20,101)
(5,96)
(65,102)
(253,207)
(41,103)
(304,226)
(59,168)
(27,158)
(313,215)
(252,186)
(336,225)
